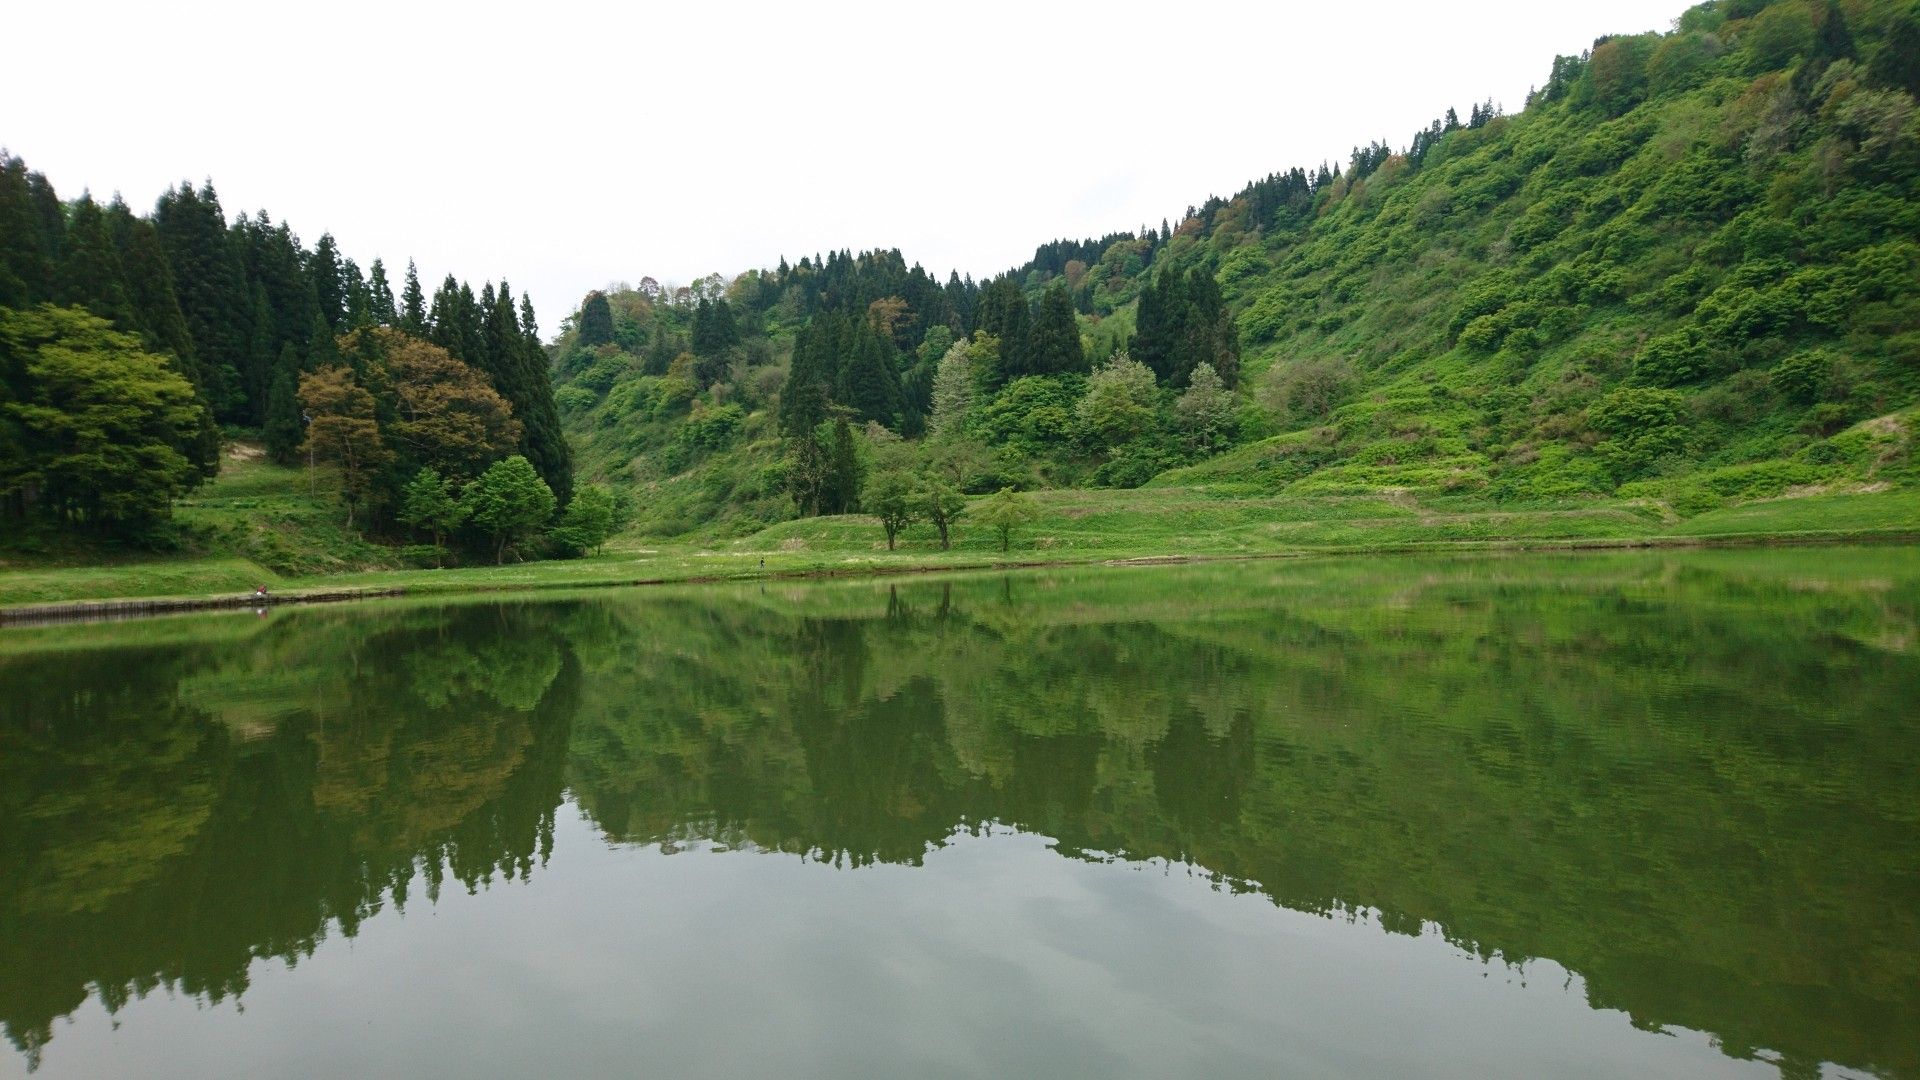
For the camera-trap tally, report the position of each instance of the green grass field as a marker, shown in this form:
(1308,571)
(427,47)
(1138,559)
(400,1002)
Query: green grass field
(261,524)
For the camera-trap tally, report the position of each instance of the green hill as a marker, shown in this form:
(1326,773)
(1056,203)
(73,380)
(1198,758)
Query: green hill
(1686,276)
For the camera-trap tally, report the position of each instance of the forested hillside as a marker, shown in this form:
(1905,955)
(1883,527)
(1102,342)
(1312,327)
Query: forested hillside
(1686,273)
(131,345)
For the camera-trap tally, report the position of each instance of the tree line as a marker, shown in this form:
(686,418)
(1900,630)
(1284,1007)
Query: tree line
(108,314)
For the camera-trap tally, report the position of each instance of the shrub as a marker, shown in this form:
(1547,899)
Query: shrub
(1307,390)
(1802,376)
(572,399)
(712,428)
(1642,424)
(1683,356)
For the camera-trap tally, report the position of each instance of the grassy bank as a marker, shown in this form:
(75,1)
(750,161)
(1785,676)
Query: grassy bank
(258,524)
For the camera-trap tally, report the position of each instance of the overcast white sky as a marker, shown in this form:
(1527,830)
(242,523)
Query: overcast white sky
(565,144)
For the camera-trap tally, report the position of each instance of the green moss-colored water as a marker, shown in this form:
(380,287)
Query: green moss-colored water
(1612,814)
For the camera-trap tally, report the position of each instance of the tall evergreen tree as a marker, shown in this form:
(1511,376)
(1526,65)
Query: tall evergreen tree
(256,377)
(282,431)
(714,328)
(26,266)
(660,353)
(841,494)
(1003,314)
(1897,64)
(500,337)
(329,287)
(413,304)
(49,217)
(804,399)
(518,367)
(454,323)
(1055,346)
(156,307)
(870,382)
(322,350)
(359,297)
(90,274)
(529,326)
(212,291)
(273,260)
(1207,332)
(596,320)
(1156,323)
(380,309)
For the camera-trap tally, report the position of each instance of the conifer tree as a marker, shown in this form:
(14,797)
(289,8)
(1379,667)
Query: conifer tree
(282,431)
(1205,331)
(804,398)
(26,267)
(328,287)
(1055,346)
(529,326)
(380,309)
(1897,65)
(806,472)
(256,378)
(714,330)
(1003,315)
(322,350)
(596,320)
(870,382)
(1156,324)
(49,217)
(213,294)
(518,367)
(359,298)
(273,260)
(156,307)
(454,323)
(660,353)
(842,494)
(413,304)
(90,274)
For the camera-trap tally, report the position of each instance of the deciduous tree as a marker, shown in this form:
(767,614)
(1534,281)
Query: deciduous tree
(428,504)
(509,501)
(93,427)
(889,496)
(941,504)
(1205,409)
(342,429)
(1005,511)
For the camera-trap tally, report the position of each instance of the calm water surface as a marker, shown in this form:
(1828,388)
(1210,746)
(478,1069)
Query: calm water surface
(1638,815)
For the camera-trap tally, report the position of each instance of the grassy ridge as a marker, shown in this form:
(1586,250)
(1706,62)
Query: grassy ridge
(260,524)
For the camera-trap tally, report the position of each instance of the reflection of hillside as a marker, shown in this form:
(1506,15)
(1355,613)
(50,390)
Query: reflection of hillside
(1687,777)
(172,846)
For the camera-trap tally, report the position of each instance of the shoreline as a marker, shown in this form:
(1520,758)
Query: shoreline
(108,608)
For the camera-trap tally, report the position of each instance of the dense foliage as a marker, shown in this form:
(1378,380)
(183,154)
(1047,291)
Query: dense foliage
(1687,273)
(244,314)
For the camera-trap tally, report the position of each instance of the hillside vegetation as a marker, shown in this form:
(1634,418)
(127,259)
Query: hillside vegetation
(1686,276)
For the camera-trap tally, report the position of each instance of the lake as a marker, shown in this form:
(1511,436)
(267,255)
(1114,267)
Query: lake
(1636,815)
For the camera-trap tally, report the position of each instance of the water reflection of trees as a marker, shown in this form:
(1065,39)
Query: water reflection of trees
(174,813)
(1687,779)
